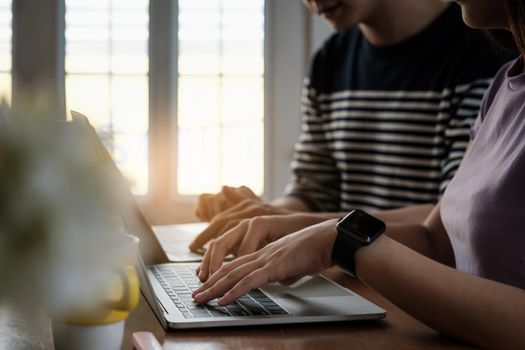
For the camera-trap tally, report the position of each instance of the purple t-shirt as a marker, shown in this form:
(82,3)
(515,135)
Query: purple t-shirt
(483,208)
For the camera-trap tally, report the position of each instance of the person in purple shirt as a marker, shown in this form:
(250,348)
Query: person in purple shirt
(462,271)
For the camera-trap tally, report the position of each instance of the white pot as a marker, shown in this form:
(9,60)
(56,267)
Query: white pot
(74,337)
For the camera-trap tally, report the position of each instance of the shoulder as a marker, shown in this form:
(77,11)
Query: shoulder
(490,96)
(494,87)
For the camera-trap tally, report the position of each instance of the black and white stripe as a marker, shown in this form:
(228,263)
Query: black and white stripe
(381,149)
(386,127)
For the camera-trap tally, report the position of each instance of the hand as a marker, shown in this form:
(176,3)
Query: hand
(231,217)
(286,260)
(251,235)
(209,205)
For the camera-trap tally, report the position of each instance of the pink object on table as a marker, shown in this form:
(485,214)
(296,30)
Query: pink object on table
(145,341)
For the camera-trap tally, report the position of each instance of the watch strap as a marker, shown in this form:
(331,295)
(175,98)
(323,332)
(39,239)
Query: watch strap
(343,253)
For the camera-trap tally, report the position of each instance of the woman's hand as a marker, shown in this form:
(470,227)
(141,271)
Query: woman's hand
(228,219)
(286,260)
(251,235)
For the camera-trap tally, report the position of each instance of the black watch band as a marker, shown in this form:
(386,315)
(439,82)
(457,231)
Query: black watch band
(343,253)
(354,231)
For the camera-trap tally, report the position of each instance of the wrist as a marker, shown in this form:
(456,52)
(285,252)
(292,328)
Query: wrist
(355,230)
(331,235)
(369,253)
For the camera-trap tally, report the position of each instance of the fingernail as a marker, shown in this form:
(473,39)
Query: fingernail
(198,298)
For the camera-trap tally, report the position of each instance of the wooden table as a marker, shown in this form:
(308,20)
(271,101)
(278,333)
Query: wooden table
(397,331)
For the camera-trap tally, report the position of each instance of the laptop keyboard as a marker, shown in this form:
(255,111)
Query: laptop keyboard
(179,281)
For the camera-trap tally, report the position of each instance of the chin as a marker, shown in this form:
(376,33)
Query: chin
(341,26)
(478,20)
(484,23)
(471,22)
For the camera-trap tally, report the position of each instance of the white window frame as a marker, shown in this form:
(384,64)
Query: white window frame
(287,51)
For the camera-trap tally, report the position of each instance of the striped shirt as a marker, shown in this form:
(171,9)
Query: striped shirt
(386,127)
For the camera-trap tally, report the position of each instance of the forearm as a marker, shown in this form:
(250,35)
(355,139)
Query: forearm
(414,214)
(464,306)
(411,214)
(290,203)
(415,237)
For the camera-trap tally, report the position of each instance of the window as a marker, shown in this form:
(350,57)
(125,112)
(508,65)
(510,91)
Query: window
(221,95)
(107,77)
(219,126)
(5,50)
(217,43)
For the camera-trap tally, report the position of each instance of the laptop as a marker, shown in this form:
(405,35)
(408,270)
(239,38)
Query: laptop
(175,240)
(167,286)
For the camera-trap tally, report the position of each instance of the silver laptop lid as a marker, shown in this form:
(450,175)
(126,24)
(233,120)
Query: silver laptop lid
(134,221)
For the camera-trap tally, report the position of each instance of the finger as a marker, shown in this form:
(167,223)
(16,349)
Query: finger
(202,207)
(214,206)
(223,271)
(200,214)
(230,193)
(288,281)
(236,195)
(228,226)
(220,204)
(246,192)
(204,266)
(226,282)
(206,235)
(254,280)
(253,237)
(227,193)
(239,206)
(220,221)
(224,245)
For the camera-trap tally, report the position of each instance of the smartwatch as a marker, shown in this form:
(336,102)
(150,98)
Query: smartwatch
(354,231)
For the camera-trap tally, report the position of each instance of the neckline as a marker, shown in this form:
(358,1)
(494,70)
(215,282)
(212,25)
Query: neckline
(515,75)
(429,37)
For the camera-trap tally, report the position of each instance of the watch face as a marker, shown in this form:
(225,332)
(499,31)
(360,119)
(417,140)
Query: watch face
(361,226)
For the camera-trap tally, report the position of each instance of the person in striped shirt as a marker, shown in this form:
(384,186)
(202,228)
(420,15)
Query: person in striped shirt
(386,113)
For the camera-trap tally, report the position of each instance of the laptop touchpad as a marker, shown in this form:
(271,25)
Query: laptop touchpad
(308,287)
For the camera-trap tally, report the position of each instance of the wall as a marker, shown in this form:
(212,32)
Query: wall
(294,35)
(38,61)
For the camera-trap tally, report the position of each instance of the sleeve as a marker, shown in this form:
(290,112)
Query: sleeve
(488,98)
(315,178)
(465,106)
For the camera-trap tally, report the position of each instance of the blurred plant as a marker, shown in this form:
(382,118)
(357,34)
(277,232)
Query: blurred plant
(59,202)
